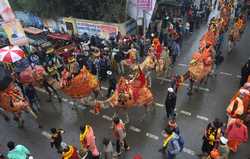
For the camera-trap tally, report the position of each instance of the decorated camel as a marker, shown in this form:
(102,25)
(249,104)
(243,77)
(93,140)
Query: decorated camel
(236,31)
(76,85)
(239,106)
(131,93)
(12,99)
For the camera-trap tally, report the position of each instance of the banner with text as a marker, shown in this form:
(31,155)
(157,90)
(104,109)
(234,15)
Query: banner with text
(15,33)
(102,30)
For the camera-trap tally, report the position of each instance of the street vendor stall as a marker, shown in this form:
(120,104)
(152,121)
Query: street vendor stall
(37,37)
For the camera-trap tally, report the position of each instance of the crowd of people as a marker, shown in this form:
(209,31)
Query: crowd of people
(104,58)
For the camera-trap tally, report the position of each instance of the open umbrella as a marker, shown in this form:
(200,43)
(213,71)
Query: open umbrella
(11,54)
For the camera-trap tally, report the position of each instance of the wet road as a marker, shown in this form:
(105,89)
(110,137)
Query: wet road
(193,113)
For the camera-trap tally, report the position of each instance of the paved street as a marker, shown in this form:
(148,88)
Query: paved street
(193,113)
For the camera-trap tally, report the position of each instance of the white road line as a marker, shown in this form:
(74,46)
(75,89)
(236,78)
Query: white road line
(81,107)
(135,129)
(188,151)
(164,79)
(41,90)
(65,99)
(238,76)
(185,84)
(226,74)
(152,136)
(185,113)
(104,88)
(159,105)
(202,117)
(183,65)
(46,134)
(107,117)
(71,102)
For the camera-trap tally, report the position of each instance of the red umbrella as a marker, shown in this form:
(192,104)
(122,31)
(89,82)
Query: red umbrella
(11,54)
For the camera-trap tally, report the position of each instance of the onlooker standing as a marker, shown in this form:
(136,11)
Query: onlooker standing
(119,133)
(112,83)
(170,102)
(17,151)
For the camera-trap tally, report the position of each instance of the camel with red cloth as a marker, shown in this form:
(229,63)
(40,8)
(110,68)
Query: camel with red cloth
(239,104)
(13,101)
(131,93)
(76,86)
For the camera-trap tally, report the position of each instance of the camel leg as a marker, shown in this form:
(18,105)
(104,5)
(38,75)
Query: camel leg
(34,115)
(19,120)
(127,117)
(190,89)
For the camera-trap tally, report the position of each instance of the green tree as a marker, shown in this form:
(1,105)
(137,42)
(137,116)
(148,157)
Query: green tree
(106,10)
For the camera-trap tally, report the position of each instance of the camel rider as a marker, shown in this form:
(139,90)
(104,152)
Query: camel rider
(236,107)
(73,66)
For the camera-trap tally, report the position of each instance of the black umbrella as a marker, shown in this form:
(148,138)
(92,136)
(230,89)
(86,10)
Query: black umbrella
(5,79)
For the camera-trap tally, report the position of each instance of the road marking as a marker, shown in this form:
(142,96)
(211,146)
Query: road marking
(46,134)
(107,117)
(238,76)
(185,84)
(202,117)
(164,79)
(65,99)
(183,65)
(104,88)
(159,105)
(226,74)
(81,107)
(152,136)
(188,151)
(185,113)
(71,102)
(135,129)
(41,90)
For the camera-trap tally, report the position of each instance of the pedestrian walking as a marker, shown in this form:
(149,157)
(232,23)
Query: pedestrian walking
(119,134)
(173,144)
(18,151)
(87,141)
(211,137)
(237,133)
(170,102)
(108,148)
(56,139)
(245,72)
(176,50)
(32,96)
(173,125)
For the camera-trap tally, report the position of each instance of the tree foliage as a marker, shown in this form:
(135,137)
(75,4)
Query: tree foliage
(106,10)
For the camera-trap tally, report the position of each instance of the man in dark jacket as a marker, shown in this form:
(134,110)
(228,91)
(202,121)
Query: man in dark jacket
(245,72)
(170,102)
(32,96)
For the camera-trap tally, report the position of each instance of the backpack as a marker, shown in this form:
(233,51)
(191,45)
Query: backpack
(181,143)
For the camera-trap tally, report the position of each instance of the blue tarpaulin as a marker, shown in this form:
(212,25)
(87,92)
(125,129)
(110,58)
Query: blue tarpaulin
(29,19)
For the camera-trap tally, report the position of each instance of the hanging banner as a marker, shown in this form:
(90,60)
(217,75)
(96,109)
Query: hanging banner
(15,33)
(102,30)
(144,4)
(6,11)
